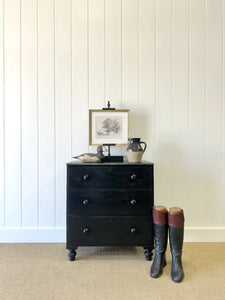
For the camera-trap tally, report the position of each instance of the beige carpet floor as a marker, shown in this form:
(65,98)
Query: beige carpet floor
(42,271)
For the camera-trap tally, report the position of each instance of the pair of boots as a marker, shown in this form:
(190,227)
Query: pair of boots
(162,220)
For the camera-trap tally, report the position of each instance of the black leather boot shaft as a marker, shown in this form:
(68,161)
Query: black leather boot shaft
(160,236)
(176,235)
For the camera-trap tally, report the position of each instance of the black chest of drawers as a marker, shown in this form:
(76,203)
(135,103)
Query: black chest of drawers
(109,204)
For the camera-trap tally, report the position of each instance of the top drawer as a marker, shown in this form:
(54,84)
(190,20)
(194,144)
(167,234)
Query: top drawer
(108,177)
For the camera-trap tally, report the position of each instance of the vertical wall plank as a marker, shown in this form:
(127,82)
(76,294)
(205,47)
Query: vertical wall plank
(2,119)
(62,104)
(197,86)
(29,111)
(130,61)
(96,54)
(179,110)
(12,115)
(113,52)
(80,116)
(113,56)
(46,108)
(214,114)
(163,117)
(145,122)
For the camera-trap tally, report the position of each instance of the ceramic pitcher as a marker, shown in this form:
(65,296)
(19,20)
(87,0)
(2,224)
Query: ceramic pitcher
(134,150)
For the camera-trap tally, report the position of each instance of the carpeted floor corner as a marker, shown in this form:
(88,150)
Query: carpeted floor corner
(42,271)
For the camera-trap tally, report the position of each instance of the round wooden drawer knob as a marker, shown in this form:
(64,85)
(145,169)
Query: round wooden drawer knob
(86,230)
(133,177)
(86,202)
(133,201)
(133,230)
(86,177)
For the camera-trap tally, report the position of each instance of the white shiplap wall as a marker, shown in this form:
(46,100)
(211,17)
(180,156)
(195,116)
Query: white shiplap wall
(163,60)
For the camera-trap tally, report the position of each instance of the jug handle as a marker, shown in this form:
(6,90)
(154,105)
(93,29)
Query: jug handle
(145,145)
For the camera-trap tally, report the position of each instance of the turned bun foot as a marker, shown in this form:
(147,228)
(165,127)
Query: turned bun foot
(148,254)
(72,254)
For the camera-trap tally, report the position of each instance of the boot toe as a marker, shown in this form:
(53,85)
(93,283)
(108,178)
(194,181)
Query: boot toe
(177,277)
(156,274)
(156,270)
(157,266)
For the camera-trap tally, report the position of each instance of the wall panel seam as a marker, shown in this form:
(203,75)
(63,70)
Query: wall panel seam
(188,91)
(172,96)
(3,21)
(104,59)
(138,54)
(155,66)
(223,92)
(121,149)
(54,96)
(71,77)
(88,62)
(38,172)
(121,71)
(88,53)
(21,128)
(206,115)
(38,141)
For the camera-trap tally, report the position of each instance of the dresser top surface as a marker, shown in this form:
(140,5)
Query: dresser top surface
(77,162)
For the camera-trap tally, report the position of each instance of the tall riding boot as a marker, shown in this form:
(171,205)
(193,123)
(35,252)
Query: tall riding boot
(160,228)
(176,234)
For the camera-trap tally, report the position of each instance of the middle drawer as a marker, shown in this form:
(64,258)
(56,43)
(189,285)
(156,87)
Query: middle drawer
(109,202)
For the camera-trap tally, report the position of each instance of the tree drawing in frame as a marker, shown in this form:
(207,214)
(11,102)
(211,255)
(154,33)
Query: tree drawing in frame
(108,127)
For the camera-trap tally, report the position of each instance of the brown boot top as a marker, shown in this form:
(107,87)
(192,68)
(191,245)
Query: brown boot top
(175,210)
(176,217)
(161,208)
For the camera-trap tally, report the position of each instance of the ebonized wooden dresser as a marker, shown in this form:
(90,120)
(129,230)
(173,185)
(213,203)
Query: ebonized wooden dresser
(109,204)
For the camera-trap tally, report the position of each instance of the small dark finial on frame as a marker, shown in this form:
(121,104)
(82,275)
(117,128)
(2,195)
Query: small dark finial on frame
(108,107)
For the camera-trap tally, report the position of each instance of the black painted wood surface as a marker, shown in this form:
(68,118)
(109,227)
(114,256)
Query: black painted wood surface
(110,231)
(109,204)
(108,177)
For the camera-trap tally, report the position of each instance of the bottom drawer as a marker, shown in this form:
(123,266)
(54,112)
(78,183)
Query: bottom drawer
(110,231)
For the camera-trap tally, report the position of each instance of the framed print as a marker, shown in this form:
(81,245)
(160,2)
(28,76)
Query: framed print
(108,127)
